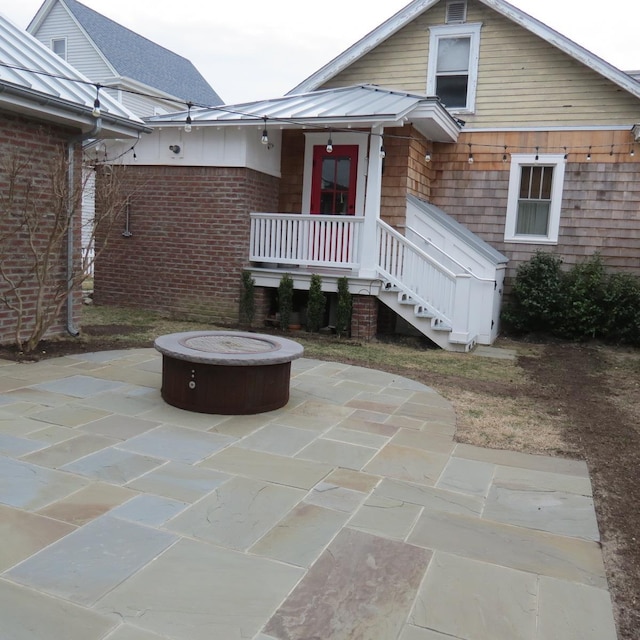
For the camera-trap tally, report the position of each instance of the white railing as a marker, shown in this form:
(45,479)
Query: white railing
(306,240)
(416,273)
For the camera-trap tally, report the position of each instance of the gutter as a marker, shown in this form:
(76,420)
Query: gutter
(95,131)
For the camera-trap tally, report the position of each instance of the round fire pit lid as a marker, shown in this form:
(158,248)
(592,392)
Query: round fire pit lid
(228,347)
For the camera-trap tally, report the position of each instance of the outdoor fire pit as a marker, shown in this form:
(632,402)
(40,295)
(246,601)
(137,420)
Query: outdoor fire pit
(226,372)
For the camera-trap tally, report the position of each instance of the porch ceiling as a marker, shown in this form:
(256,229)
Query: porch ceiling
(348,107)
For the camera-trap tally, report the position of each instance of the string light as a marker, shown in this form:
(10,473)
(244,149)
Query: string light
(187,126)
(566,153)
(589,154)
(537,154)
(504,155)
(383,153)
(427,157)
(470,159)
(96,103)
(611,152)
(330,144)
(632,153)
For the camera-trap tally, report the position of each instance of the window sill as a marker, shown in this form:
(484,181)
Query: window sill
(531,240)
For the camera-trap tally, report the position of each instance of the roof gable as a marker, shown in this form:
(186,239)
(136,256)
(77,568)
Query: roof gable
(37,83)
(136,57)
(418,7)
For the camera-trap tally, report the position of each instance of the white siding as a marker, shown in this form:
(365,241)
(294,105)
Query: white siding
(80,52)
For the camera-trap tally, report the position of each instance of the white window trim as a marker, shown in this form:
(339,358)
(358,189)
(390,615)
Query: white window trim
(471,30)
(315,139)
(558,162)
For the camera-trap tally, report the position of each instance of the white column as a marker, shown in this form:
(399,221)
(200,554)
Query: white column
(369,250)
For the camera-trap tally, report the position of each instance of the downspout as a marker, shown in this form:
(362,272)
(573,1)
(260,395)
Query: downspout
(95,131)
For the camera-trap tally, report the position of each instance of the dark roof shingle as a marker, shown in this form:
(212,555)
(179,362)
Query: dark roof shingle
(138,58)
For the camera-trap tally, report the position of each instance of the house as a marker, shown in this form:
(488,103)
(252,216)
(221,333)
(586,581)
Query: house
(47,110)
(147,78)
(425,163)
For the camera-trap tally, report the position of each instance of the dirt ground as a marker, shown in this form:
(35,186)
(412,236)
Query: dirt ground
(601,415)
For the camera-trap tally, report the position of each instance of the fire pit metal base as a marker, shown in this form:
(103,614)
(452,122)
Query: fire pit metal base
(226,372)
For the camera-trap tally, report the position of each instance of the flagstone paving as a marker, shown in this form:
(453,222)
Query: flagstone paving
(349,513)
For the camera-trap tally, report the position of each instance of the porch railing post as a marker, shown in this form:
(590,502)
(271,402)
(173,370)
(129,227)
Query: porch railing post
(368,238)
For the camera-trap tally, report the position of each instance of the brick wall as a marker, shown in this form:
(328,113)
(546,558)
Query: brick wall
(41,150)
(364,317)
(190,241)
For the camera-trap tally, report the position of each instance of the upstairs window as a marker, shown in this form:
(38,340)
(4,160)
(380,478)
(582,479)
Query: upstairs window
(59,47)
(535,198)
(452,73)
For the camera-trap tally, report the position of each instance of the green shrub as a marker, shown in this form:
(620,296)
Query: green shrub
(343,311)
(579,304)
(536,298)
(315,304)
(285,300)
(247,299)
(582,313)
(621,303)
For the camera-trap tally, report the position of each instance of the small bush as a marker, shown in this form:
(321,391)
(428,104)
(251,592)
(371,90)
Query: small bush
(582,313)
(247,299)
(621,305)
(285,300)
(579,304)
(345,304)
(316,304)
(536,298)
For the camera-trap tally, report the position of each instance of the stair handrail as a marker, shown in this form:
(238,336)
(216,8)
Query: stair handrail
(454,260)
(423,254)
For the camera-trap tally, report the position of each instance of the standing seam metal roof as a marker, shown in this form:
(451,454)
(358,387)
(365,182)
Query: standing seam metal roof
(60,80)
(134,56)
(358,102)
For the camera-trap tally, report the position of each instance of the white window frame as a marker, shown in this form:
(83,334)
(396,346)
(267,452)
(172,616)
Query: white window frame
(54,40)
(558,162)
(467,30)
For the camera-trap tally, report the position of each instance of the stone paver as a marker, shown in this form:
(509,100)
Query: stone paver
(351,512)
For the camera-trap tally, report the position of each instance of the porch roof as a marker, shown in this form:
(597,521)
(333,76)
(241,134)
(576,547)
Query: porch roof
(364,105)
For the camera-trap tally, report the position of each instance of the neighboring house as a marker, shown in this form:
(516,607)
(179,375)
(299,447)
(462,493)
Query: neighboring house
(421,201)
(47,109)
(145,77)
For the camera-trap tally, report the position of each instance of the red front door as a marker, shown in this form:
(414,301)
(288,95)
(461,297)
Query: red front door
(333,183)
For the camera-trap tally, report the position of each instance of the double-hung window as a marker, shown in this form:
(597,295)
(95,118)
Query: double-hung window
(535,198)
(452,73)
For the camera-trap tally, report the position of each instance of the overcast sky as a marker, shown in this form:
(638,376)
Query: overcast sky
(249,50)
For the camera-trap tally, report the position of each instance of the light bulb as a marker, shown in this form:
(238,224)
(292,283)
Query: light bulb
(96,108)
(187,126)
(265,137)
(383,153)
(471,158)
(330,146)
(427,157)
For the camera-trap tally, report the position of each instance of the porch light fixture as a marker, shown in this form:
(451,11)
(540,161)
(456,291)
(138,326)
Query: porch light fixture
(470,159)
(96,103)
(175,148)
(187,126)
(330,145)
(589,155)
(265,135)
